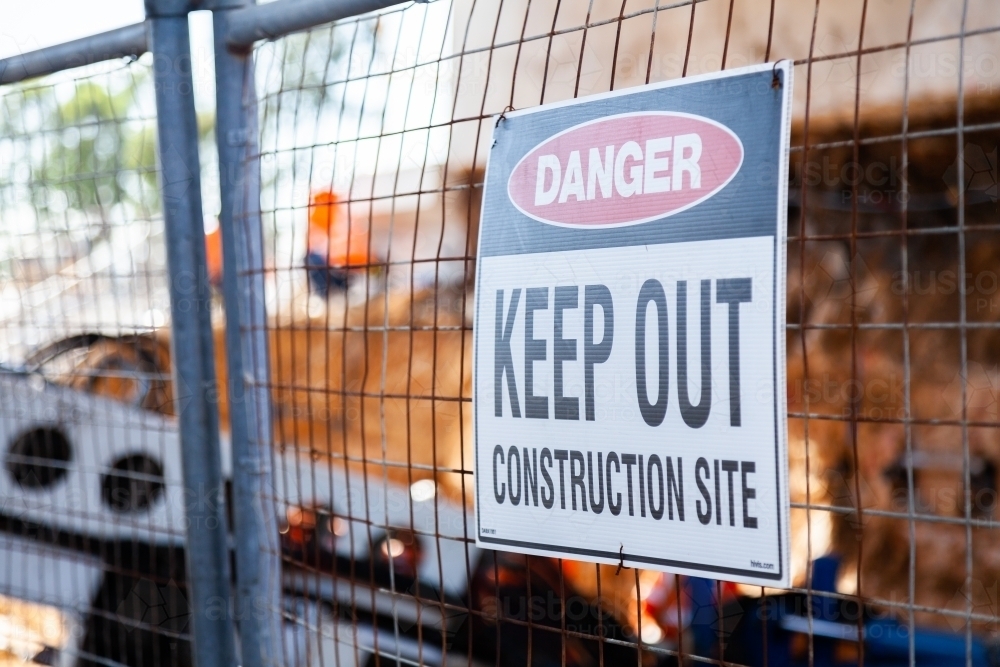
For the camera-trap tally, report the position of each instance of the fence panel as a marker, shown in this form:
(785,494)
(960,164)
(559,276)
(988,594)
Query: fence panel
(93,500)
(379,126)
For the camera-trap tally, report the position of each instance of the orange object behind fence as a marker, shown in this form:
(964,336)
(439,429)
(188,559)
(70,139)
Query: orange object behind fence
(336,248)
(333,236)
(213,257)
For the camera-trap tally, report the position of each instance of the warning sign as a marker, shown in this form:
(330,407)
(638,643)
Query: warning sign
(629,338)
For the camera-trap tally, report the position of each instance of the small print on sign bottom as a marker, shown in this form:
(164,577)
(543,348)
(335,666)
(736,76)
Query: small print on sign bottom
(629,396)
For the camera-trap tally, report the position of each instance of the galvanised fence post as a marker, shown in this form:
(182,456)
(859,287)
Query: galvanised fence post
(258,557)
(207,550)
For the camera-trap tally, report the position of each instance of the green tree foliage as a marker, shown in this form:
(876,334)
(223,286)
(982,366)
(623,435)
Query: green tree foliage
(84,145)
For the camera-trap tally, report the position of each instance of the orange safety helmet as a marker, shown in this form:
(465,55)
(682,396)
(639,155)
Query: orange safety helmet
(343,243)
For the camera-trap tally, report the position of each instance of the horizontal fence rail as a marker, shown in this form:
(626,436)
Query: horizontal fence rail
(253,23)
(130,41)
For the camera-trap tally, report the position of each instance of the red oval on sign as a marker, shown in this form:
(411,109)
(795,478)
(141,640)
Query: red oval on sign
(625,169)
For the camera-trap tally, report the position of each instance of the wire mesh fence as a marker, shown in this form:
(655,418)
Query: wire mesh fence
(384,121)
(93,505)
(373,138)
(80,208)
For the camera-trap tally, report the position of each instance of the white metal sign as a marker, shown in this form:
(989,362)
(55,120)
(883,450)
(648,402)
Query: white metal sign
(629,339)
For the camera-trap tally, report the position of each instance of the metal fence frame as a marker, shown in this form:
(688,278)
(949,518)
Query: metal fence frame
(237,26)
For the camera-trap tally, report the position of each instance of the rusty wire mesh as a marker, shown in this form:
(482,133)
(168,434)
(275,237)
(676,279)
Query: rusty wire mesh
(92,499)
(890,327)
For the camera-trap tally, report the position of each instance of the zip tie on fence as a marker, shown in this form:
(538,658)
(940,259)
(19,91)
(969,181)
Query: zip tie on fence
(621,560)
(503,115)
(775,81)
